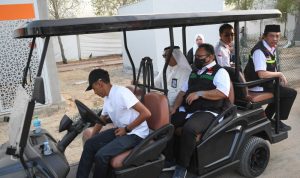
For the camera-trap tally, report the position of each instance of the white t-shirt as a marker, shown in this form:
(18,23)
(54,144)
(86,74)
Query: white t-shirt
(176,77)
(260,62)
(222,52)
(221,81)
(118,106)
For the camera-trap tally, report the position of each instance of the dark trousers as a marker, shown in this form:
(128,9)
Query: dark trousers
(100,149)
(181,148)
(287,97)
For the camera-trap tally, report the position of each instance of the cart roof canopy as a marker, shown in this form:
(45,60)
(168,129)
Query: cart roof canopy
(43,28)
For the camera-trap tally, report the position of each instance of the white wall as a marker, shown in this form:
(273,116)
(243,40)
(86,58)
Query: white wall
(69,45)
(152,42)
(102,44)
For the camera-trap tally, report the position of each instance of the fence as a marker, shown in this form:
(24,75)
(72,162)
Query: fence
(289,56)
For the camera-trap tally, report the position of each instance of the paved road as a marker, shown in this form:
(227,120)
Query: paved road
(285,155)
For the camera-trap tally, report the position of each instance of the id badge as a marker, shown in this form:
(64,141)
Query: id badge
(174,83)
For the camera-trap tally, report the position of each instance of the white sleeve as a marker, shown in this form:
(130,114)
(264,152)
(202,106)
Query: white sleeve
(158,80)
(219,56)
(222,81)
(128,98)
(223,58)
(185,86)
(259,60)
(104,112)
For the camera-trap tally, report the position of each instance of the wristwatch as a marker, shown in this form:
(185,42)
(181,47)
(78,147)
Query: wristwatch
(127,130)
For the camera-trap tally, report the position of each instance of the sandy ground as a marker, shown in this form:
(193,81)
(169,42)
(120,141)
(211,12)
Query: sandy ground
(73,84)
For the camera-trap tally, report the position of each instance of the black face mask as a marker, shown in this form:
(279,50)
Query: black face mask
(199,63)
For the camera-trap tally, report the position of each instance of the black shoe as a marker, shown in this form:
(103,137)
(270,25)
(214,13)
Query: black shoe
(169,166)
(273,123)
(284,127)
(180,172)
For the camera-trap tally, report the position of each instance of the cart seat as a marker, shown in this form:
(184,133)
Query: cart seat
(246,98)
(158,106)
(137,91)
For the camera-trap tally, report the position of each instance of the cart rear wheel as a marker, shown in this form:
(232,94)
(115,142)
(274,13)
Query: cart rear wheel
(254,157)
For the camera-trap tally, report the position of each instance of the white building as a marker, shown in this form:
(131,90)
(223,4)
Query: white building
(152,42)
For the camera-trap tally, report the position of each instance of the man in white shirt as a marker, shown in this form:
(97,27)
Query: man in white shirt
(205,94)
(177,73)
(224,47)
(128,115)
(263,64)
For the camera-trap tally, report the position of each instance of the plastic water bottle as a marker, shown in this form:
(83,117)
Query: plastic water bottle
(47,150)
(37,125)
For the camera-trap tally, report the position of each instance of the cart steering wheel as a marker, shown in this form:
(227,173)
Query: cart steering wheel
(87,115)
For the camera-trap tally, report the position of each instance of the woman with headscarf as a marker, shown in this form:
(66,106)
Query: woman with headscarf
(199,39)
(177,73)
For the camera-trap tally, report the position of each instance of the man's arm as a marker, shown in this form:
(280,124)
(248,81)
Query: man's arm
(214,94)
(178,102)
(267,74)
(158,80)
(144,114)
(260,66)
(98,127)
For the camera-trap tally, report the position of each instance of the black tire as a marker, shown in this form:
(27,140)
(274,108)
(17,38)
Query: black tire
(254,157)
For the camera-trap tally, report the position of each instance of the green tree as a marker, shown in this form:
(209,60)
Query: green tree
(289,7)
(286,7)
(240,4)
(59,9)
(109,7)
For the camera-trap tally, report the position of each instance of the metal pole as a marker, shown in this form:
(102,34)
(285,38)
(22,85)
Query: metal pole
(28,62)
(237,48)
(46,43)
(78,47)
(184,40)
(169,54)
(129,56)
(277,101)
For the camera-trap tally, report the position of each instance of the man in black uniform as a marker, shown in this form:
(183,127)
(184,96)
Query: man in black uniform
(262,64)
(201,99)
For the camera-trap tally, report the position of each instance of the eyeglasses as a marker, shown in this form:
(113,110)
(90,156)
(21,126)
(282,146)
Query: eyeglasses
(201,56)
(165,55)
(228,34)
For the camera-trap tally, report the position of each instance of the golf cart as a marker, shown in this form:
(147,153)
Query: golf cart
(242,134)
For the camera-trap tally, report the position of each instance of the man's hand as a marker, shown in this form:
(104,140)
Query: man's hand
(283,80)
(120,131)
(191,97)
(172,110)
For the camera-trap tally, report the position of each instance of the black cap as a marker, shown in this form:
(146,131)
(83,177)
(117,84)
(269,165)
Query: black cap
(96,75)
(272,28)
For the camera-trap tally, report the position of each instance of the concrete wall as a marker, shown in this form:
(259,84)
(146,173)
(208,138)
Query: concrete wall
(82,46)
(152,42)
(14,54)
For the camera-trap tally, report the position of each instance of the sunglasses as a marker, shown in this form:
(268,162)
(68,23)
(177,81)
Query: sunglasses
(201,56)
